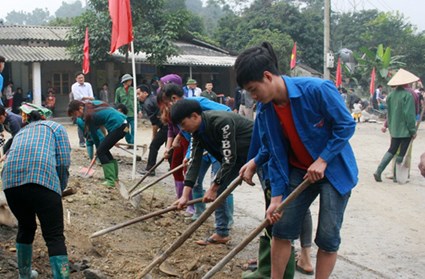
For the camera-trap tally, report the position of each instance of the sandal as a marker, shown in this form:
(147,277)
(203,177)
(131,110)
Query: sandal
(212,241)
(251,264)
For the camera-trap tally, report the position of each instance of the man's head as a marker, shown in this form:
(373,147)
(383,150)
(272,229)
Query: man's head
(2,61)
(143,92)
(187,114)
(253,62)
(191,84)
(257,72)
(79,77)
(209,86)
(173,92)
(126,80)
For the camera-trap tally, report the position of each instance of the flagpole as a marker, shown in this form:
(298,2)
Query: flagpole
(133,68)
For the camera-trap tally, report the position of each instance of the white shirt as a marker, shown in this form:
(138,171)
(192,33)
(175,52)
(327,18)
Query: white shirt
(82,90)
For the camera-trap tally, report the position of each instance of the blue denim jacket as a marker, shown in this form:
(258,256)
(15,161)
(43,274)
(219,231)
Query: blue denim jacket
(324,126)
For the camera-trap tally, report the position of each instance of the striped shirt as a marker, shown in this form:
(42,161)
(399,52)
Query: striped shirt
(40,154)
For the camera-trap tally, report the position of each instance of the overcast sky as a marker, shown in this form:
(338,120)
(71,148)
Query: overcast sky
(412,9)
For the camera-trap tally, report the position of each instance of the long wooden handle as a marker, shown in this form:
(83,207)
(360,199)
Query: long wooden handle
(195,225)
(91,165)
(141,218)
(147,174)
(300,188)
(157,180)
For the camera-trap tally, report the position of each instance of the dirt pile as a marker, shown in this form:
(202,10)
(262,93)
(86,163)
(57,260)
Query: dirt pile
(125,252)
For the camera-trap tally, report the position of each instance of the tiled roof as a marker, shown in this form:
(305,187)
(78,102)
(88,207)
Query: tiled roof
(15,53)
(189,54)
(28,32)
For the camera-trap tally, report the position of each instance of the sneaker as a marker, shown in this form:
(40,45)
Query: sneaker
(82,145)
(144,172)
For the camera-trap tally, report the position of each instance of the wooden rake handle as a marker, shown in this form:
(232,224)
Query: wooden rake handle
(300,188)
(147,174)
(91,165)
(144,188)
(192,228)
(141,218)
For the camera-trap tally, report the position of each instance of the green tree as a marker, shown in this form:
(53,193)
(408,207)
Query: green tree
(14,17)
(154,29)
(282,45)
(67,10)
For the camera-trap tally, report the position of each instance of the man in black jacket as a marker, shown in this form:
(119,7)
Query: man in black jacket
(159,130)
(226,136)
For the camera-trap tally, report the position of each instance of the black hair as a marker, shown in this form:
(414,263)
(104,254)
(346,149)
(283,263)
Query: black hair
(184,108)
(251,64)
(2,59)
(35,115)
(144,88)
(79,73)
(123,108)
(2,110)
(74,106)
(171,89)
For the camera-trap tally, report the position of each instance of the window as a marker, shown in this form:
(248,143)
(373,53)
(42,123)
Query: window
(61,83)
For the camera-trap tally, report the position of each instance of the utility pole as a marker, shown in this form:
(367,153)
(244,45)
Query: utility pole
(326,39)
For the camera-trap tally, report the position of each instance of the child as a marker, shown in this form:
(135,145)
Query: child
(357,110)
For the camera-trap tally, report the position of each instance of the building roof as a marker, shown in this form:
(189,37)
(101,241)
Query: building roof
(29,32)
(189,54)
(16,53)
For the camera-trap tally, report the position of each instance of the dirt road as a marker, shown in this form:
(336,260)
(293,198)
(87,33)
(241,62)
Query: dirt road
(382,235)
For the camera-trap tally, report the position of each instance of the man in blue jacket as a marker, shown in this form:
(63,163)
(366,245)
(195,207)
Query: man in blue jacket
(306,133)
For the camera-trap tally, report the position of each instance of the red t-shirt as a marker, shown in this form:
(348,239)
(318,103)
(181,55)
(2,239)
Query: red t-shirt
(298,154)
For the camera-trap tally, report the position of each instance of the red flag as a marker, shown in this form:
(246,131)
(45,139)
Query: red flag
(372,82)
(122,26)
(338,80)
(86,59)
(294,56)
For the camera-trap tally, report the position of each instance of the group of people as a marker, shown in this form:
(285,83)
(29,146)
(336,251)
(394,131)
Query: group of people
(301,133)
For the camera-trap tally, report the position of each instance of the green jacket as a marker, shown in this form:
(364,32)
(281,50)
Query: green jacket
(226,136)
(401,113)
(127,99)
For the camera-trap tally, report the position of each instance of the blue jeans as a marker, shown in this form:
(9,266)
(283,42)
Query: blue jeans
(224,213)
(198,189)
(129,137)
(331,212)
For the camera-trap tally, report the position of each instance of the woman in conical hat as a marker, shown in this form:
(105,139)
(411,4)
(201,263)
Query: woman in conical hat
(401,119)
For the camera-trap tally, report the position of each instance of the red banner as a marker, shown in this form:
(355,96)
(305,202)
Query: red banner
(372,81)
(294,56)
(122,26)
(86,59)
(338,80)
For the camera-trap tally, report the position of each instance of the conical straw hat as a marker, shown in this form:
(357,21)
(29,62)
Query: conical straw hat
(402,77)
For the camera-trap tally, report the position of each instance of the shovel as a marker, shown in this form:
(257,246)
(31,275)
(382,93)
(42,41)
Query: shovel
(402,170)
(88,172)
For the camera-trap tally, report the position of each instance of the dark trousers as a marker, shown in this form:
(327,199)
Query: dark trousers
(159,139)
(108,142)
(403,143)
(30,200)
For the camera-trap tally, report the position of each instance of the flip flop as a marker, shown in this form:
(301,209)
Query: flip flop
(212,241)
(302,270)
